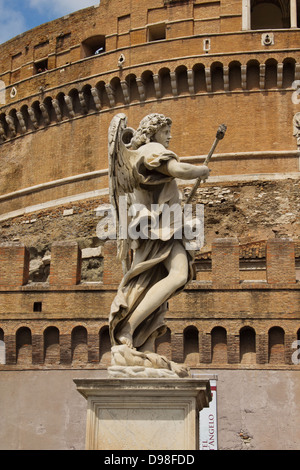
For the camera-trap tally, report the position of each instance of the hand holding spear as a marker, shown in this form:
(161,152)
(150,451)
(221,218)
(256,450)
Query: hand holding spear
(219,136)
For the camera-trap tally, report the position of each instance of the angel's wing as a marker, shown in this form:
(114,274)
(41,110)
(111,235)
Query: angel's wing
(121,178)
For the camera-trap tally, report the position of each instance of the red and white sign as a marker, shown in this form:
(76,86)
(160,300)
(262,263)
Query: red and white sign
(208,422)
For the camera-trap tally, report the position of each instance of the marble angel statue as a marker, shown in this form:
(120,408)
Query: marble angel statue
(142,168)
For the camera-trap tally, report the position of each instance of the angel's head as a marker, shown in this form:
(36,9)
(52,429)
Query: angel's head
(153,128)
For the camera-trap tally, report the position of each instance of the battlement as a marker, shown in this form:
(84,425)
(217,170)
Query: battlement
(64,322)
(65,266)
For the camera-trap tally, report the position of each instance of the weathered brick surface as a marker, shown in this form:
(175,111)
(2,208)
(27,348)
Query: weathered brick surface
(177,347)
(62,116)
(65,264)
(280,257)
(36,114)
(206,322)
(78,126)
(14,265)
(112,271)
(225,252)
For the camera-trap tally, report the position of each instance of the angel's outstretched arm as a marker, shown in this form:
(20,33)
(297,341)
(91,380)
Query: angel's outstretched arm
(186,171)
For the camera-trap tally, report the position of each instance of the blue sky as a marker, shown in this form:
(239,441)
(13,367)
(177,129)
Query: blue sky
(17,16)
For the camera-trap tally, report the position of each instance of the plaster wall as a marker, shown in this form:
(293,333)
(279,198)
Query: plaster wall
(42,410)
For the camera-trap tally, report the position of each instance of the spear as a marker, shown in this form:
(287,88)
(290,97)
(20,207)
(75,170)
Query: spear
(219,136)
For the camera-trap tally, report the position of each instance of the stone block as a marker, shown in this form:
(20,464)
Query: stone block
(280,259)
(225,262)
(14,265)
(144,414)
(112,269)
(65,267)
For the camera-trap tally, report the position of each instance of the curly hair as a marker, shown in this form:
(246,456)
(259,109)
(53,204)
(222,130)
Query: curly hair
(148,127)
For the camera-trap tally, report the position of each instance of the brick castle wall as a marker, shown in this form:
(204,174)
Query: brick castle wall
(64,322)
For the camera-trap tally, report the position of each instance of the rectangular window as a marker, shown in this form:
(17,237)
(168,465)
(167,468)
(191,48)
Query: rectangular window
(37,306)
(41,66)
(157,32)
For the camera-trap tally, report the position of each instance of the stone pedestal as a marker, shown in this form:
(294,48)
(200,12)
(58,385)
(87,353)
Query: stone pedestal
(144,414)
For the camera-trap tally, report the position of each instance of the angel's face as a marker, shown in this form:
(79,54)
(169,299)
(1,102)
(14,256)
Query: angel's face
(163,136)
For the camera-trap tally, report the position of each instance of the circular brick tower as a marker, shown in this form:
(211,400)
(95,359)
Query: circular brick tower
(201,63)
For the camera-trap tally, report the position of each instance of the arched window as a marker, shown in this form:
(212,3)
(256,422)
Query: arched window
(271,74)
(105,345)
(51,345)
(191,345)
(252,75)
(165,82)
(117,89)
(2,348)
(199,78)
(247,346)
(288,72)
(217,79)
(14,120)
(219,345)
(62,105)
(50,109)
(133,88)
(25,115)
(79,345)
(147,79)
(163,345)
(181,78)
(235,79)
(24,346)
(271,14)
(276,345)
(74,97)
(36,116)
(93,46)
(102,93)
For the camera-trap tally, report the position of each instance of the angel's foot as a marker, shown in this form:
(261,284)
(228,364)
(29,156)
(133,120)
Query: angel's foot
(125,336)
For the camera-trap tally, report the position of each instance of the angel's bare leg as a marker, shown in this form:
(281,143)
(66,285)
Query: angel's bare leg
(177,266)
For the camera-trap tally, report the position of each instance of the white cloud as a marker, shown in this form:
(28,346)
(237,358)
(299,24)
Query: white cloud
(12,22)
(61,7)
